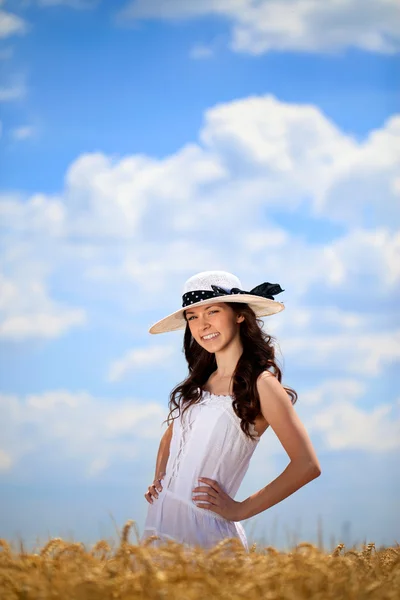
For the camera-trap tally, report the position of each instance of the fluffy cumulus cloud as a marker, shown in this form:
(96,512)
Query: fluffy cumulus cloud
(344,426)
(11,24)
(100,433)
(259,26)
(93,430)
(141,358)
(338,418)
(350,351)
(27,310)
(135,226)
(112,197)
(335,412)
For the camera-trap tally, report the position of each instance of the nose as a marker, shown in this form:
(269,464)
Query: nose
(203,325)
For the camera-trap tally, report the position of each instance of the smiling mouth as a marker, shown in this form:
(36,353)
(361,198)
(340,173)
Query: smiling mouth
(214,336)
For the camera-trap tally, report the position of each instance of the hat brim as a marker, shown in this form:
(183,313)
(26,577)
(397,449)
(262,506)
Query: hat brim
(262,307)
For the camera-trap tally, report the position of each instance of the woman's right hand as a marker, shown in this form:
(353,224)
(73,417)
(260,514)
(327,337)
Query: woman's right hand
(153,489)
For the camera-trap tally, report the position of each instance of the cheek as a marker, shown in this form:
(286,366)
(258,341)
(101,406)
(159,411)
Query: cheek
(224,326)
(230,328)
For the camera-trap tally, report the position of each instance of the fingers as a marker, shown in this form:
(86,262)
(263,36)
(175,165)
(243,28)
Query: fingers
(152,491)
(158,486)
(204,500)
(149,497)
(207,490)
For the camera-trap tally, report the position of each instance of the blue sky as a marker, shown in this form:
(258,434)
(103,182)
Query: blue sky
(142,143)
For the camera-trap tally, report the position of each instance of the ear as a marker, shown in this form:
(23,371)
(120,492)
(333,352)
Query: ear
(239,319)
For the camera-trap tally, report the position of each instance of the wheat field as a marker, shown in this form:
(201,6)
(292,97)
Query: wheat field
(65,570)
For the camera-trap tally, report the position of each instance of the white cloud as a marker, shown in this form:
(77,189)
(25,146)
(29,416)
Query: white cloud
(50,400)
(262,141)
(134,227)
(345,390)
(140,358)
(99,432)
(39,214)
(199,51)
(128,418)
(78,425)
(11,24)
(259,26)
(97,466)
(302,318)
(346,427)
(366,354)
(336,410)
(26,309)
(254,149)
(40,325)
(345,268)
(12,92)
(112,197)
(323,340)
(24,132)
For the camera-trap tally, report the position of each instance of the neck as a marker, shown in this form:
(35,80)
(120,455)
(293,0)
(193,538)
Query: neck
(227,359)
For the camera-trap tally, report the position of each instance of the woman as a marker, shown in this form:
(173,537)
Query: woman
(230,397)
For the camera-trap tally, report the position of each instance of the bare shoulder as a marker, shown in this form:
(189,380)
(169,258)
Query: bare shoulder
(267,380)
(278,410)
(266,375)
(272,393)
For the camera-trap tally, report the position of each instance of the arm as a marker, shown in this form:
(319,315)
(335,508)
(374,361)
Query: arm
(163,453)
(303,467)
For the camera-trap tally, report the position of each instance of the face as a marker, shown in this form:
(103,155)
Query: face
(219,319)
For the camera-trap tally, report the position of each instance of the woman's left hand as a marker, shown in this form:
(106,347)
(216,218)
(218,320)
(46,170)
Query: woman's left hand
(216,500)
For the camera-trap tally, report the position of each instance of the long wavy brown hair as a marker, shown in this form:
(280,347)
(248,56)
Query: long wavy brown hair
(258,355)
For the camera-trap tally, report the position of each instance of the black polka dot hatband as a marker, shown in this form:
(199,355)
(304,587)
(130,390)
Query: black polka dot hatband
(205,287)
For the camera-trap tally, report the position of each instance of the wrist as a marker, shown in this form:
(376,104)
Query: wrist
(242,510)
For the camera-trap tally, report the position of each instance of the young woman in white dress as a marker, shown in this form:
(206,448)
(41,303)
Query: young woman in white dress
(232,394)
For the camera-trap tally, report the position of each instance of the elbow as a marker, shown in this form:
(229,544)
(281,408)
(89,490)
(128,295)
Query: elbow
(315,469)
(312,468)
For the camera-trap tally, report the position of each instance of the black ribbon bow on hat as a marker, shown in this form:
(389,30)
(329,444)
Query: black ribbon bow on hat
(266,290)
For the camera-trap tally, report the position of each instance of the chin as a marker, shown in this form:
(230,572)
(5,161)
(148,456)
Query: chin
(210,349)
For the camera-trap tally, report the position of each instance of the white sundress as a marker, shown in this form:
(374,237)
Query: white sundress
(207,441)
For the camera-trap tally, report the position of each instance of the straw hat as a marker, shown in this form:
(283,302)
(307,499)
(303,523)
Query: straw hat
(208,287)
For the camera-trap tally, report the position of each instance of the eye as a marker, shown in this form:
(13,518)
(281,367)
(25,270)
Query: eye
(209,312)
